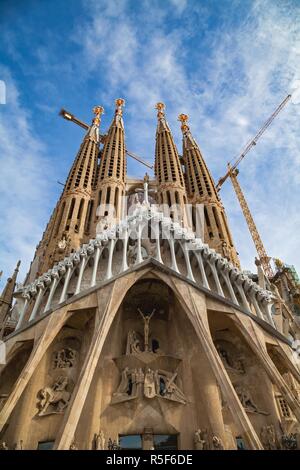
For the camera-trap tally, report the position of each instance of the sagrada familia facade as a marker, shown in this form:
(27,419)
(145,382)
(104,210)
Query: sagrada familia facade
(136,327)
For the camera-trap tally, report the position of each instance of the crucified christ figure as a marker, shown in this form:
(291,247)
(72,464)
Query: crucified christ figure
(146,319)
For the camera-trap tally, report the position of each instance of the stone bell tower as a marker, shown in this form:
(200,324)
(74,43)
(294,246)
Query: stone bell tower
(201,190)
(71,219)
(110,185)
(171,189)
(6,298)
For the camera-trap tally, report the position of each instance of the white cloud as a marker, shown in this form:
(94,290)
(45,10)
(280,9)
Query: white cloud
(229,92)
(228,79)
(24,183)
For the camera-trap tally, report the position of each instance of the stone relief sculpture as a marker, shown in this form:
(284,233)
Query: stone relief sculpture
(3,446)
(55,399)
(230,363)
(138,377)
(99,440)
(112,445)
(73,446)
(18,445)
(217,443)
(246,399)
(146,319)
(131,254)
(124,389)
(148,383)
(133,345)
(64,358)
(268,437)
(289,441)
(199,442)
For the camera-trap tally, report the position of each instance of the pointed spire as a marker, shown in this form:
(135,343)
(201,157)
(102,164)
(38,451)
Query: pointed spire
(7,296)
(119,102)
(162,123)
(201,190)
(198,178)
(188,140)
(112,171)
(71,218)
(113,159)
(93,131)
(168,171)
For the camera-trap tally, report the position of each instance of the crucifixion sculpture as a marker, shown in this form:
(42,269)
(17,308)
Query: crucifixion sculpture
(146,319)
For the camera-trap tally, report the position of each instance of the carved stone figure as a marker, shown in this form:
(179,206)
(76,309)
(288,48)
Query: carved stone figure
(246,399)
(271,437)
(217,443)
(112,445)
(140,378)
(123,387)
(18,445)
(146,319)
(73,446)
(131,254)
(289,441)
(62,244)
(230,363)
(149,384)
(133,343)
(102,224)
(54,399)
(168,388)
(199,443)
(99,441)
(136,383)
(3,446)
(64,358)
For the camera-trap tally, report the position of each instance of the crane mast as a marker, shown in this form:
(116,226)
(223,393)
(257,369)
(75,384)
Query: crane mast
(232,173)
(264,259)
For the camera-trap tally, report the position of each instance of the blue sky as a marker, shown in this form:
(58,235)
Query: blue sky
(227,64)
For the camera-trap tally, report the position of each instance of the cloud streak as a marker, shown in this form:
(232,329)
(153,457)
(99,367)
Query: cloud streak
(23,184)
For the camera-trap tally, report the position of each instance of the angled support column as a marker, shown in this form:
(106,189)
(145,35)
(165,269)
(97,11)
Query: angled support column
(54,284)
(109,301)
(22,314)
(189,299)
(248,330)
(230,288)
(81,271)
(173,256)
(96,262)
(190,274)
(124,255)
(55,323)
(37,303)
(110,256)
(202,270)
(66,284)
(216,277)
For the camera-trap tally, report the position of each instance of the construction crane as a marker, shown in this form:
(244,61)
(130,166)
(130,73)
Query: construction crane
(70,117)
(232,172)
